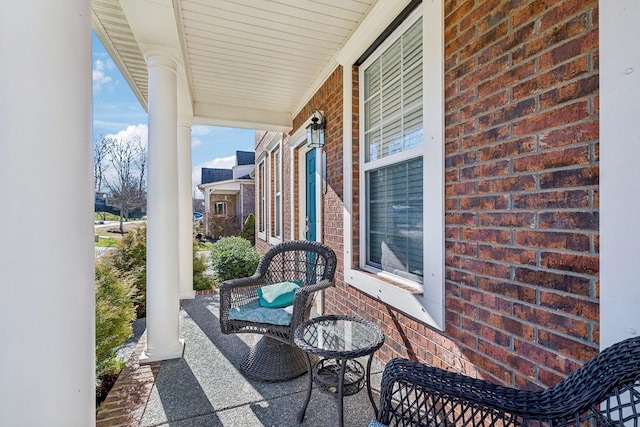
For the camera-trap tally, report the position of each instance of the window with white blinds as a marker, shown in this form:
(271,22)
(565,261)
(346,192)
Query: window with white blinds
(393,97)
(392,129)
(277,193)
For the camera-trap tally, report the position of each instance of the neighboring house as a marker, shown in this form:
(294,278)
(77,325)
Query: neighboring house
(459,188)
(100,201)
(229,194)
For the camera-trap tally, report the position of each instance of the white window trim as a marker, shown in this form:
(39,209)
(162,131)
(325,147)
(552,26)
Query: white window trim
(428,306)
(274,239)
(262,198)
(224,208)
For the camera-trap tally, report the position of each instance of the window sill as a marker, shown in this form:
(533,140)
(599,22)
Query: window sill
(426,307)
(274,240)
(391,281)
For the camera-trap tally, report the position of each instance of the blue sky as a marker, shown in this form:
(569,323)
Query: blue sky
(116,110)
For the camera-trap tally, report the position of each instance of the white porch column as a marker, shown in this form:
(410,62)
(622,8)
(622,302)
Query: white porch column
(47,321)
(185,210)
(619,185)
(207,211)
(162,213)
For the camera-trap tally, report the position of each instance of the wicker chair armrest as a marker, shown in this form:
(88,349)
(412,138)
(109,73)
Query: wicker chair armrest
(241,282)
(302,301)
(305,291)
(237,292)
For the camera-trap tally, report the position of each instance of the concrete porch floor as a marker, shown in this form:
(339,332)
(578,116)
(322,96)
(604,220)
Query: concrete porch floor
(206,388)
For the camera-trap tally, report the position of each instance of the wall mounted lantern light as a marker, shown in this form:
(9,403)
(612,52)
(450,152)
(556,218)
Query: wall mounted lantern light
(315,130)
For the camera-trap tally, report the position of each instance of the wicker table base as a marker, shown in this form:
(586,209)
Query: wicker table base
(273,360)
(326,373)
(338,340)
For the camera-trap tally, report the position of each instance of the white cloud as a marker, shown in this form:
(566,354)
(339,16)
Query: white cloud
(100,77)
(219,163)
(201,130)
(195,142)
(132,132)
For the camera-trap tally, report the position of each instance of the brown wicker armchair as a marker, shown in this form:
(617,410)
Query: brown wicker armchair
(275,357)
(604,392)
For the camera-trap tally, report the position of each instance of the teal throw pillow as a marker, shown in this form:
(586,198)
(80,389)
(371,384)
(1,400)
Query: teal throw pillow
(279,294)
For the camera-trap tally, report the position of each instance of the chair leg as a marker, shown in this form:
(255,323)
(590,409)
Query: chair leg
(273,360)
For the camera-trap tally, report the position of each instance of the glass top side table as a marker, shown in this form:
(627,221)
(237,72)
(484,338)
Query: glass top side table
(342,338)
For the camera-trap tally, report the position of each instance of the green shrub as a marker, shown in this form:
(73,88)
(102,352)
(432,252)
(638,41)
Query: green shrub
(115,311)
(200,281)
(130,258)
(249,229)
(233,257)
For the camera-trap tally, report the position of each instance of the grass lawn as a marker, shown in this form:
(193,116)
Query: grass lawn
(106,241)
(105,216)
(108,236)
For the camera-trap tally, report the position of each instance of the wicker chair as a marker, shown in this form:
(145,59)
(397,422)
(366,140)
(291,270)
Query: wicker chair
(604,392)
(275,357)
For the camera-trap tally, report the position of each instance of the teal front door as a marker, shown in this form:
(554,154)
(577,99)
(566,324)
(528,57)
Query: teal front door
(310,212)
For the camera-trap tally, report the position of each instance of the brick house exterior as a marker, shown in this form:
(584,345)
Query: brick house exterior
(521,195)
(233,190)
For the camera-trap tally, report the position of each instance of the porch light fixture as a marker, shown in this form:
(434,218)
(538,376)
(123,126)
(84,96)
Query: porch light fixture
(315,130)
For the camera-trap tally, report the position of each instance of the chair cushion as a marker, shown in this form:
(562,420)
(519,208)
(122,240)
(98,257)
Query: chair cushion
(279,294)
(375,423)
(252,312)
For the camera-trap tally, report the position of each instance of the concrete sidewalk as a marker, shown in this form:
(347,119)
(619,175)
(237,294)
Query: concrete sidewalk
(206,388)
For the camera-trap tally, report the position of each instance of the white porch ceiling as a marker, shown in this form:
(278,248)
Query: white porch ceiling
(245,63)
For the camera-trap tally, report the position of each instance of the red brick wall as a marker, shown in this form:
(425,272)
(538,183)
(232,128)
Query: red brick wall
(521,92)
(521,195)
(522,186)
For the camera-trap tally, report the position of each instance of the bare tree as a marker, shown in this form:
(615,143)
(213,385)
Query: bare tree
(100,165)
(141,164)
(128,184)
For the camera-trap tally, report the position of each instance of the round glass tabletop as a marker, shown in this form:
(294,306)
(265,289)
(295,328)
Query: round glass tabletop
(338,337)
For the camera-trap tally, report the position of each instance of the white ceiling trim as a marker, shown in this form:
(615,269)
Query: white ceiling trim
(243,64)
(223,115)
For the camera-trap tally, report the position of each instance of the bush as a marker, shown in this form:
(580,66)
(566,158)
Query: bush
(249,229)
(115,311)
(233,257)
(130,258)
(200,281)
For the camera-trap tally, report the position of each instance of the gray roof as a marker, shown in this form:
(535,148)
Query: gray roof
(245,158)
(215,175)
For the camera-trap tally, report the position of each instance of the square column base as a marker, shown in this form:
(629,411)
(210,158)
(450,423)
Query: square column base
(188,295)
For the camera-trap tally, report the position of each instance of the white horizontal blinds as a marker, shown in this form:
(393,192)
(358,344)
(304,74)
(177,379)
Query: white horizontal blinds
(412,87)
(392,128)
(394,218)
(393,97)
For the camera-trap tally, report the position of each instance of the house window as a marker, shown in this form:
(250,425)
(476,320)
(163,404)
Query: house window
(277,192)
(220,208)
(392,147)
(262,216)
